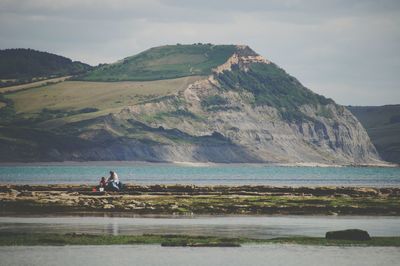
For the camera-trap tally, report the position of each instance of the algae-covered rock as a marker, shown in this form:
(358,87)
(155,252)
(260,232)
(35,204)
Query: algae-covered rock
(350,234)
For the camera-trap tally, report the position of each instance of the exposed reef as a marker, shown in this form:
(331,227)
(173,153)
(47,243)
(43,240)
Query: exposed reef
(190,199)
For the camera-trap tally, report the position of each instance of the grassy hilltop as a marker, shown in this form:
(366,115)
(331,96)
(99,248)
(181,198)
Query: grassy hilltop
(164,62)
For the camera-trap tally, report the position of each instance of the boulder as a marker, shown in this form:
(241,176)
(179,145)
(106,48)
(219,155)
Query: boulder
(350,234)
(108,206)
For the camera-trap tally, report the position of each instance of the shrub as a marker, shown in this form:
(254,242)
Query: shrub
(213,100)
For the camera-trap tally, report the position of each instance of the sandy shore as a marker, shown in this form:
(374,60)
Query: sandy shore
(190,199)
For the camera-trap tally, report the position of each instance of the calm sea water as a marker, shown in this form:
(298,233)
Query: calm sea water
(228,174)
(262,227)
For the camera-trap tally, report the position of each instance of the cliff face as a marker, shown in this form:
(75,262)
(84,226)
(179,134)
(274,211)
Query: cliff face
(246,110)
(213,121)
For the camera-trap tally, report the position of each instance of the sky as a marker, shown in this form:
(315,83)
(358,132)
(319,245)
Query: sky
(347,50)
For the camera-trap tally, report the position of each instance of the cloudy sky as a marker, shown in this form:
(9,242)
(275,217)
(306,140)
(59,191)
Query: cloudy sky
(344,49)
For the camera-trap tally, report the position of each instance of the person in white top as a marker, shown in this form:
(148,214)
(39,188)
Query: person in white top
(113,181)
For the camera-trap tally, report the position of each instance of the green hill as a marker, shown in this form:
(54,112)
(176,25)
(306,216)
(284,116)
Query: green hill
(22,65)
(270,84)
(383,126)
(164,62)
(202,102)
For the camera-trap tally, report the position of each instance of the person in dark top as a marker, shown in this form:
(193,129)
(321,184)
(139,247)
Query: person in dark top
(103,183)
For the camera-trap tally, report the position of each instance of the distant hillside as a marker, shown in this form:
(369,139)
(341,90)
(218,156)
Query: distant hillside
(196,103)
(20,65)
(164,62)
(383,126)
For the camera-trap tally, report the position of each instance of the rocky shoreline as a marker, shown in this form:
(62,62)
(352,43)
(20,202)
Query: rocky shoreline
(193,200)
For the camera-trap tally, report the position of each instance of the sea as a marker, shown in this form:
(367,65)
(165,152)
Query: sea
(199,174)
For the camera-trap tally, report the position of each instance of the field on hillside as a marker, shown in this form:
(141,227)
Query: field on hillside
(75,95)
(32,84)
(32,119)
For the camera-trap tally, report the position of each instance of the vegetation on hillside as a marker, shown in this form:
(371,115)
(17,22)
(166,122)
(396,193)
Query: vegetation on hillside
(49,114)
(23,141)
(19,66)
(383,127)
(213,100)
(31,85)
(164,62)
(272,86)
(7,112)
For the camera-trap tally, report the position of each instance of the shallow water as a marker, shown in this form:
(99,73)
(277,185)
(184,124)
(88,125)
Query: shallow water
(227,174)
(155,255)
(228,226)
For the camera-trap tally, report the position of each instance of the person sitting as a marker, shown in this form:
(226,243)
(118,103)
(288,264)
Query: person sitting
(113,183)
(102,184)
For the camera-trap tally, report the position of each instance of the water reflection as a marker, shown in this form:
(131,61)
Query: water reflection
(229,226)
